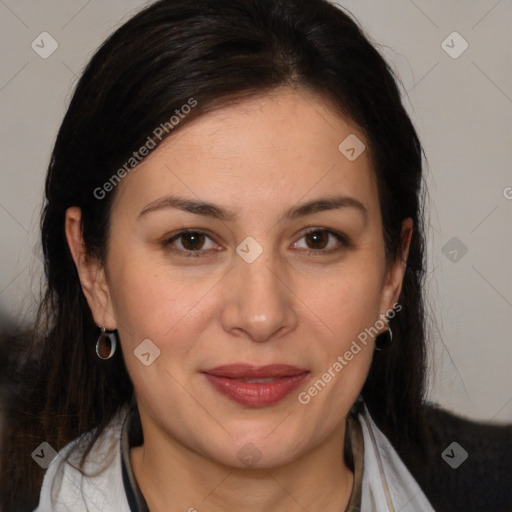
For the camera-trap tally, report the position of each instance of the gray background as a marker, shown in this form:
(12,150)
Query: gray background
(462,108)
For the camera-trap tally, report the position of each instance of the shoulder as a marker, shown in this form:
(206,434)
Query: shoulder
(471,464)
(95,487)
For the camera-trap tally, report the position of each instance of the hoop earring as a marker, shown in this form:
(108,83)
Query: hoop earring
(384,339)
(106,344)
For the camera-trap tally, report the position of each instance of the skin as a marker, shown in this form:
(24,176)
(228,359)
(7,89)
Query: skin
(257,159)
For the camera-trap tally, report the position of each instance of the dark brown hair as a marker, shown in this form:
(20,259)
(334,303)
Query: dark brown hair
(214,51)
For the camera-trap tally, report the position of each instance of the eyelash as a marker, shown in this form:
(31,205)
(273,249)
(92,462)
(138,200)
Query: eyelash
(343,239)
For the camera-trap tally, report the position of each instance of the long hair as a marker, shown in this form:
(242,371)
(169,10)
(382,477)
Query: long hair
(216,52)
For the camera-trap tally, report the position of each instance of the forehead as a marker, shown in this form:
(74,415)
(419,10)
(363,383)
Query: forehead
(284,144)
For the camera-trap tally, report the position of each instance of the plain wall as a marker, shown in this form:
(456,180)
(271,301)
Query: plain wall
(462,108)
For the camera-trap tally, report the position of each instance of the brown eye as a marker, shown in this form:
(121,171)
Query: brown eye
(189,243)
(317,239)
(323,241)
(192,241)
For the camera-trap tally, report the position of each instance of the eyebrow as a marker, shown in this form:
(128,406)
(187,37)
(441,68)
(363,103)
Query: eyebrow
(216,212)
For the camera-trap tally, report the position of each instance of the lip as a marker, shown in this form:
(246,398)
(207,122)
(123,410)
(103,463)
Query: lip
(231,381)
(243,370)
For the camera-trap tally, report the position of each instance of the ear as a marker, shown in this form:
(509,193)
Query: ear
(396,271)
(91,273)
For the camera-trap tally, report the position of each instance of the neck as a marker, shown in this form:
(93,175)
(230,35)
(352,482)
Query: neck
(169,473)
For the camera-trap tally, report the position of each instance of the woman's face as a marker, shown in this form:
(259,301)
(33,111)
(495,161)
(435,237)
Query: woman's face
(249,286)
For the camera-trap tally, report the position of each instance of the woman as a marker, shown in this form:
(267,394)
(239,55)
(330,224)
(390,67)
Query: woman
(234,253)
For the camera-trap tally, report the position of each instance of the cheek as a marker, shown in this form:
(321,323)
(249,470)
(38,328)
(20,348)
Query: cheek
(175,309)
(149,301)
(349,301)
(153,306)
(349,306)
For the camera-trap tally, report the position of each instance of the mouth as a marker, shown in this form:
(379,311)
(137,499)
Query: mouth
(255,386)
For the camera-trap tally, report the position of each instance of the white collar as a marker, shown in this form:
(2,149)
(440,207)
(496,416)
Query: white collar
(387,484)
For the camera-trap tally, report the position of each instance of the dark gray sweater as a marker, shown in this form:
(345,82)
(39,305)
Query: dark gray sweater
(482,482)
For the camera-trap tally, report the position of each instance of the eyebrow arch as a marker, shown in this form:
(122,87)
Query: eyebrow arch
(215,212)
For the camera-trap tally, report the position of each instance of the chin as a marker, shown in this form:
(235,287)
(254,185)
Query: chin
(255,452)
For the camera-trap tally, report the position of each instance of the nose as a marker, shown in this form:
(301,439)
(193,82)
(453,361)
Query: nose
(259,304)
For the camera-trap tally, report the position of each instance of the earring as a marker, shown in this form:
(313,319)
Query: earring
(106,344)
(384,339)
